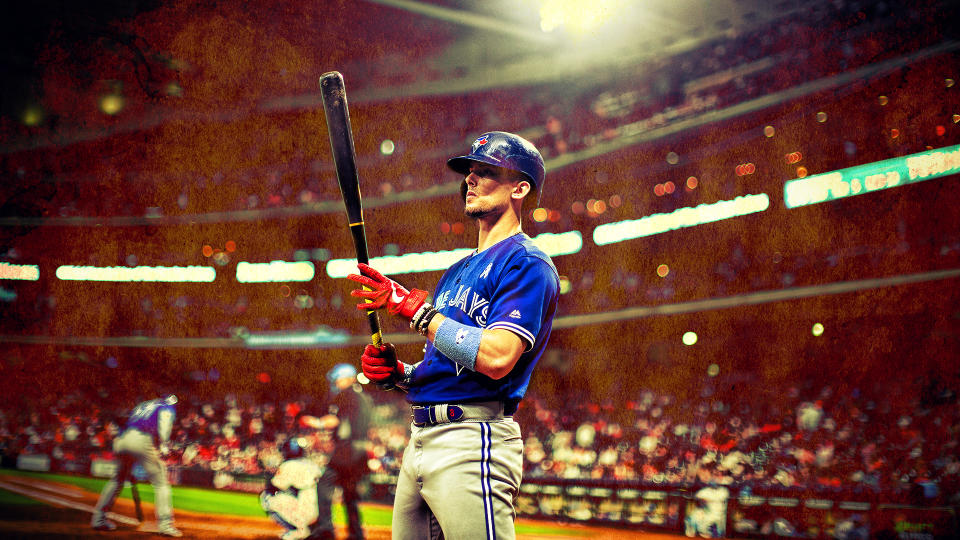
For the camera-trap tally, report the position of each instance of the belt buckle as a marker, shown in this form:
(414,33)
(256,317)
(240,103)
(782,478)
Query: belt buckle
(442,413)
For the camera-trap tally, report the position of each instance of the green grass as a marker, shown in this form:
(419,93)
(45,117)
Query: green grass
(202,500)
(8,498)
(212,501)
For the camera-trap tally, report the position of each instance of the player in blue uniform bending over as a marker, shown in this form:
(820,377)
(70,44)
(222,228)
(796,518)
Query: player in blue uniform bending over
(488,326)
(148,427)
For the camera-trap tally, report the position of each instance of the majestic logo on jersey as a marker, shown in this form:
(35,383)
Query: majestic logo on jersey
(515,314)
(486,271)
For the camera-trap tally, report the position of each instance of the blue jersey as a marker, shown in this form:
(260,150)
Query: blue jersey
(511,285)
(154,417)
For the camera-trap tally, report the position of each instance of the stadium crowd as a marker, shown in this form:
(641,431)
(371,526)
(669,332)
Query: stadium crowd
(743,64)
(888,443)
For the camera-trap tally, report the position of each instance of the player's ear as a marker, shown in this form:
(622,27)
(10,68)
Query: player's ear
(521,189)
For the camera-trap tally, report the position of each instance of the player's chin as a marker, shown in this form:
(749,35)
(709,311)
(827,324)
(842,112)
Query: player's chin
(475,211)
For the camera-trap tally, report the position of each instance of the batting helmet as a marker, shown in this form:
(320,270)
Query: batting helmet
(339,371)
(505,150)
(293,448)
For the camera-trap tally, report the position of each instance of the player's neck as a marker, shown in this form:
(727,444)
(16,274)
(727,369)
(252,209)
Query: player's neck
(493,231)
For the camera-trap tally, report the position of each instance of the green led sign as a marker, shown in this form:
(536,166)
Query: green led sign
(872,177)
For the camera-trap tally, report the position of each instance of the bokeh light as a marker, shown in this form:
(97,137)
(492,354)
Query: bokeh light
(689,338)
(663,270)
(882,100)
(387,147)
(32,116)
(540,215)
(207,250)
(673,158)
(713,370)
(821,117)
(769,131)
(112,104)
(692,183)
(817,329)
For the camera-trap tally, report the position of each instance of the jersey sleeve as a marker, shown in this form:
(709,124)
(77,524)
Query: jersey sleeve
(522,297)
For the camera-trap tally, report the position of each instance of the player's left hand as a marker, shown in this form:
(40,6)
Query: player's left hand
(386,293)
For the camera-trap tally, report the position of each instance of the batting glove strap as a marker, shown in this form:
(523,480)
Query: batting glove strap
(411,303)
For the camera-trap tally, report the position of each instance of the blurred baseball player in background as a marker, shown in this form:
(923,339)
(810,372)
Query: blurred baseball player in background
(148,428)
(295,498)
(348,419)
(490,322)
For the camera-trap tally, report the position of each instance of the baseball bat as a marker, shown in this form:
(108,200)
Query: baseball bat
(334,96)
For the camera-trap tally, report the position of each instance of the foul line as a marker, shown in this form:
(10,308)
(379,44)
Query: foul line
(63,502)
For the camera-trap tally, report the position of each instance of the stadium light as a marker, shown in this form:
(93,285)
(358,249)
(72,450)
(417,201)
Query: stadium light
(430,261)
(23,272)
(180,274)
(687,216)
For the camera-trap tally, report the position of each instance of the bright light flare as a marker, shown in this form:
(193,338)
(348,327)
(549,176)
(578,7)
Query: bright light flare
(578,17)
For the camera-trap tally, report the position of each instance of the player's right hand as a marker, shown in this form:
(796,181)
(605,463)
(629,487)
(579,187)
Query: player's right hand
(380,364)
(382,292)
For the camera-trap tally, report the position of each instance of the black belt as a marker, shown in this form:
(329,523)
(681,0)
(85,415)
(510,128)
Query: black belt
(444,413)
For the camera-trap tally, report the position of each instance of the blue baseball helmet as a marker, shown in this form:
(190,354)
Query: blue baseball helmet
(505,150)
(339,371)
(293,448)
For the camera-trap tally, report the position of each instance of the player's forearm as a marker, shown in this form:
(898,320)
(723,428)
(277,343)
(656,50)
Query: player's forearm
(164,426)
(496,355)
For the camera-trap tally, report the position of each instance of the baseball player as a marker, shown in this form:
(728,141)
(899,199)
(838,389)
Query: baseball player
(487,329)
(348,419)
(148,427)
(294,496)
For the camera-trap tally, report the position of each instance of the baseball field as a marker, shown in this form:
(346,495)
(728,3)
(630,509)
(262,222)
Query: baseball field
(43,505)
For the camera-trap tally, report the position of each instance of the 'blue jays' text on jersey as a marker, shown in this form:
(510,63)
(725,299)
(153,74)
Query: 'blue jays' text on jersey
(154,417)
(511,285)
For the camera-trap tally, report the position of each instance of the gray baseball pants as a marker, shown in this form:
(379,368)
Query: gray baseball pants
(137,446)
(460,480)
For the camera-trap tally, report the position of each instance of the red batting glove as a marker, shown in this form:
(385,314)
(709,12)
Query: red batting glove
(380,364)
(385,292)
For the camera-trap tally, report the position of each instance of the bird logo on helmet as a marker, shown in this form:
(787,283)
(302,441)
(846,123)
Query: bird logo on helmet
(506,150)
